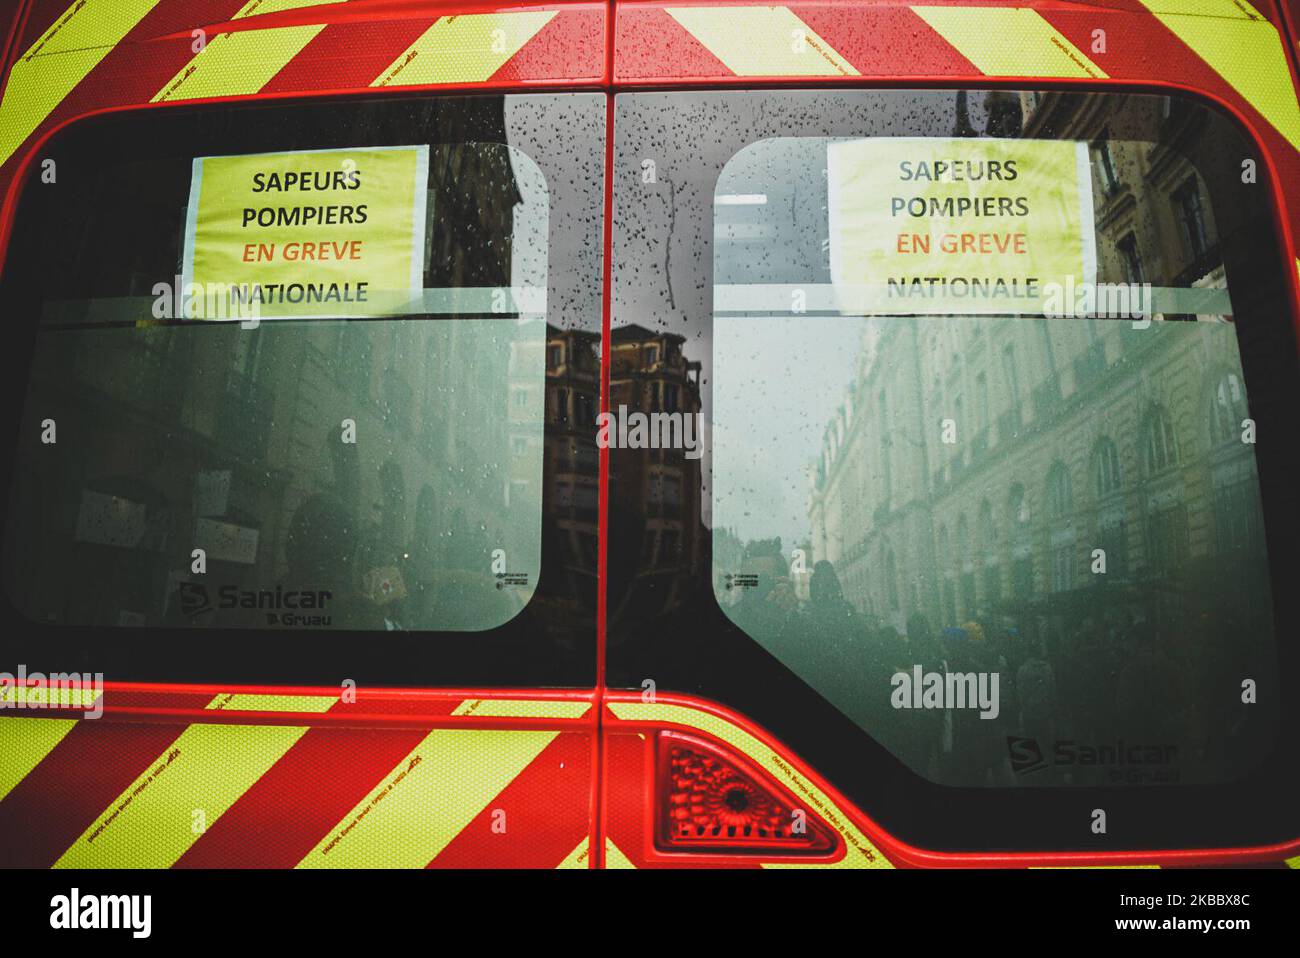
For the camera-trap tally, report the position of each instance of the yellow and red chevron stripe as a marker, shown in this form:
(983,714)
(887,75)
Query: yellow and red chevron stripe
(1225,47)
(262,780)
(90,55)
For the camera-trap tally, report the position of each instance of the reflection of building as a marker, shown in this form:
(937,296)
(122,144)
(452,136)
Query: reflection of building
(1069,435)
(572,459)
(1149,164)
(650,374)
(212,436)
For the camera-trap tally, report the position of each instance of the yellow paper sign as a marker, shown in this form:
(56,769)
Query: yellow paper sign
(319,233)
(951,226)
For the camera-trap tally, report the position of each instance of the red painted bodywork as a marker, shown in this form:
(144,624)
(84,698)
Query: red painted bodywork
(611,46)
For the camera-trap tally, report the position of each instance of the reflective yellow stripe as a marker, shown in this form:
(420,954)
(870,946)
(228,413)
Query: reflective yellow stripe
(1293,862)
(578,857)
(152,823)
(427,799)
(231,64)
(59,60)
(521,708)
(1009,41)
(762,41)
(614,857)
(861,853)
(1238,44)
(23,743)
(464,49)
(239,702)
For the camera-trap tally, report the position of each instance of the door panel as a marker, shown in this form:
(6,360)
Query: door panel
(829,538)
(329,581)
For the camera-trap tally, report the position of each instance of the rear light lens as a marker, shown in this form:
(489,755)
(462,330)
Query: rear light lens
(709,800)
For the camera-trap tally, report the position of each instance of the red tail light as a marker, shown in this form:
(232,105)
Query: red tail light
(711,801)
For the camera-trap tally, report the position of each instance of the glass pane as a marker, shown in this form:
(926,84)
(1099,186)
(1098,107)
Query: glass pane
(371,468)
(983,464)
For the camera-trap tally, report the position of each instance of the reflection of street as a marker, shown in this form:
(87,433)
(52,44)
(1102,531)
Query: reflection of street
(1070,503)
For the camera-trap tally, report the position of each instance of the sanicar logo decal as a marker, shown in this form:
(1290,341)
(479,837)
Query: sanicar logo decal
(294,607)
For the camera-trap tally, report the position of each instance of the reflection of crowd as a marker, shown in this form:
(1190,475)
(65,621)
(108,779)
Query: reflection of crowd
(1115,676)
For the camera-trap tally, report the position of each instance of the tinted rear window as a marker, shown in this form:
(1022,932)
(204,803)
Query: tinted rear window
(1044,517)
